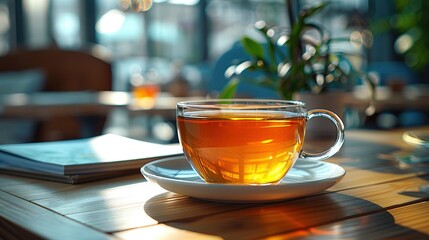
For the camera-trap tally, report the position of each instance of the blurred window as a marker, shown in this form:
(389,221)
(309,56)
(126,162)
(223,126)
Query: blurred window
(174,30)
(121,31)
(230,20)
(66,23)
(168,30)
(191,31)
(36,18)
(4,27)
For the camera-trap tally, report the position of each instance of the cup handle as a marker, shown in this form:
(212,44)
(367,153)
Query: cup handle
(340,134)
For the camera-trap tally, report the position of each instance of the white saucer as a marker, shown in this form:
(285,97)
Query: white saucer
(305,178)
(418,138)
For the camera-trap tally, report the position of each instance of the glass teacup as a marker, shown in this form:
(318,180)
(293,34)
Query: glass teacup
(245,141)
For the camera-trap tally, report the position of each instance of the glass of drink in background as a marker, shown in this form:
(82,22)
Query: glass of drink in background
(145,87)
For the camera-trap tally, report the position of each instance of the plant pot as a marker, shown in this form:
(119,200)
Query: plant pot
(322,128)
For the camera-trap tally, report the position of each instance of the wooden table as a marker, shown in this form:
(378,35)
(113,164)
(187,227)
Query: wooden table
(378,198)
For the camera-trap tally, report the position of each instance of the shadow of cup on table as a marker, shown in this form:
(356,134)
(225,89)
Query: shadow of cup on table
(303,217)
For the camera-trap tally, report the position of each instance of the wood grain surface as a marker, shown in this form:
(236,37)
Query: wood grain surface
(378,198)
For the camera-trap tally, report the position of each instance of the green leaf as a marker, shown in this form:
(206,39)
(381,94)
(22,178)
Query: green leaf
(313,10)
(252,47)
(271,45)
(229,90)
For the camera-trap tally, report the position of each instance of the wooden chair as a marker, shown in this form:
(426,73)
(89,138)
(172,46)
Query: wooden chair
(64,70)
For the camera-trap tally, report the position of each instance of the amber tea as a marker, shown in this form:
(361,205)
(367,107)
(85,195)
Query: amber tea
(232,148)
(246,141)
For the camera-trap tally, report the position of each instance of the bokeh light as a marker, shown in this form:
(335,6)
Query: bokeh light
(404,43)
(4,20)
(136,5)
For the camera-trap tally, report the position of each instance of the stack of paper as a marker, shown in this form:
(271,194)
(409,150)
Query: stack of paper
(82,160)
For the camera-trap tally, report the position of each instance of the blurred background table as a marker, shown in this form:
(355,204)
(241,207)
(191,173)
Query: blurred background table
(42,105)
(413,97)
(94,111)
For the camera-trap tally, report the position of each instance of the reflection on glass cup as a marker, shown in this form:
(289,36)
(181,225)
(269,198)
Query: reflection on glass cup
(243,141)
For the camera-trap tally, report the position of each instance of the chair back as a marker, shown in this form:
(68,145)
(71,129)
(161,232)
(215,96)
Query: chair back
(63,70)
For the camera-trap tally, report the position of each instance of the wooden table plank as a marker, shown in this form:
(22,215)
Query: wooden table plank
(408,222)
(125,201)
(267,219)
(34,189)
(41,221)
(413,217)
(72,202)
(262,220)
(165,232)
(166,207)
(9,181)
(356,177)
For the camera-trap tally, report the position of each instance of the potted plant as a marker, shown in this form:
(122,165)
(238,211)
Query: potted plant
(408,23)
(297,61)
